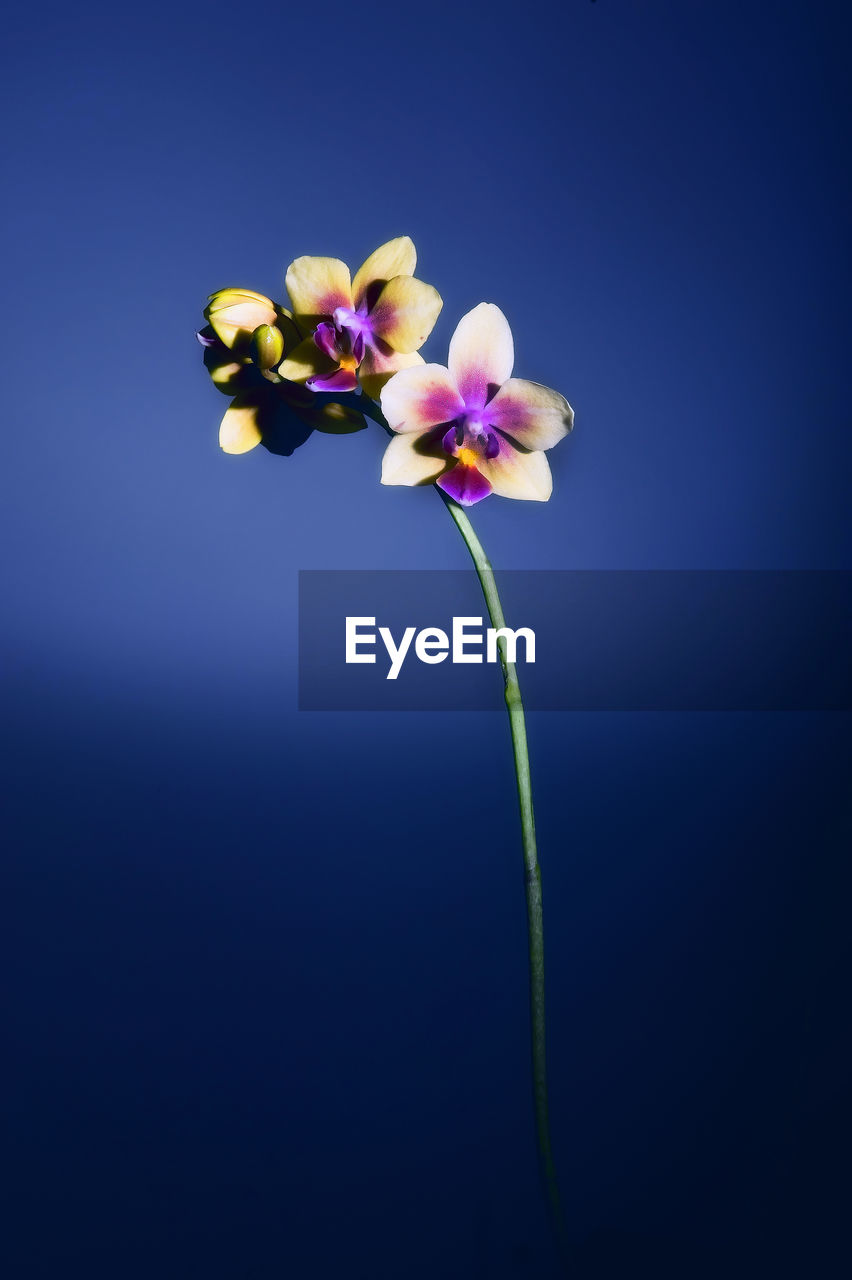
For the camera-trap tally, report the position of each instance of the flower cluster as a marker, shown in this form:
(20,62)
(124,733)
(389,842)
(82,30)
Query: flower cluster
(468,426)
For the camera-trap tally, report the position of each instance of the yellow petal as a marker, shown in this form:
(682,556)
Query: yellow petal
(396,258)
(518,475)
(414,459)
(230,377)
(306,361)
(316,286)
(379,365)
(239,431)
(481,353)
(405,313)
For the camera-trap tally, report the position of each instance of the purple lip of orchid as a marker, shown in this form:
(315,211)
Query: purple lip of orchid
(469,437)
(347,334)
(338,380)
(343,340)
(357,326)
(465,484)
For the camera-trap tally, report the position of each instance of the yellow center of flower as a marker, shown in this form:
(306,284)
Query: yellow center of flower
(349,363)
(468,457)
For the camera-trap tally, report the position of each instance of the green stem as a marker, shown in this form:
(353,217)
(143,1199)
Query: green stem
(532,871)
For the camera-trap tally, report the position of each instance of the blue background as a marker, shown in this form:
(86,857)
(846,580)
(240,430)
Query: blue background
(265,1008)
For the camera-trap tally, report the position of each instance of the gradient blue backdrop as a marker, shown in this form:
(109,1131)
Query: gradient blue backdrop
(265,1008)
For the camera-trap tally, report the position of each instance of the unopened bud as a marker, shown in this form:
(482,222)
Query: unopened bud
(267,346)
(234,314)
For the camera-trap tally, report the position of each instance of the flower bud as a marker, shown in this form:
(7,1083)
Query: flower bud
(267,346)
(234,314)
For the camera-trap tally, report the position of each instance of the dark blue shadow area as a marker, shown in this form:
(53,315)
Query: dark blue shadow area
(268,1014)
(265,1007)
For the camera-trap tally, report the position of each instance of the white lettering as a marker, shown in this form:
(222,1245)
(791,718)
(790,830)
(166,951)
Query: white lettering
(354,638)
(431,645)
(396,655)
(511,638)
(461,638)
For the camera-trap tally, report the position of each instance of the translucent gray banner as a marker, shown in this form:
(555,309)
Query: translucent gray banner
(601,640)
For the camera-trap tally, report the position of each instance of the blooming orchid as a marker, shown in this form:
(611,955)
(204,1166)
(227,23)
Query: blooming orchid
(366,328)
(471,427)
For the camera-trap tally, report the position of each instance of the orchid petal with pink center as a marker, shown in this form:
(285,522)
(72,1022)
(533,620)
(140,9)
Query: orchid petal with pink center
(531,414)
(420,398)
(317,287)
(405,313)
(482,354)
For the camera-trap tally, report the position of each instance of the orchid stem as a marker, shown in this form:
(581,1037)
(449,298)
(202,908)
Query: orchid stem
(532,871)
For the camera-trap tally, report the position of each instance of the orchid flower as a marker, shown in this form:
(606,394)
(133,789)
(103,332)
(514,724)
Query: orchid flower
(245,338)
(471,427)
(368,327)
